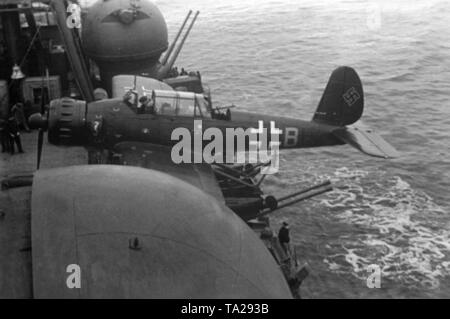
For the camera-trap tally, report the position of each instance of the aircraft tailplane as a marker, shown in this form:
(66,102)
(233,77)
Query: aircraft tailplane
(366,141)
(342,102)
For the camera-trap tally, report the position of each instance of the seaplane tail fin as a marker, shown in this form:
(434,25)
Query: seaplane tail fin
(366,141)
(342,102)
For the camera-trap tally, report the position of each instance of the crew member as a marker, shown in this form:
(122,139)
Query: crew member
(173,73)
(18,112)
(130,98)
(4,136)
(14,135)
(100,94)
(146,105)
(283,237)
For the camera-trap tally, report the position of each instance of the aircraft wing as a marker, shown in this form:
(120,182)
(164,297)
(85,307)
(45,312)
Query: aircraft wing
(130,232)
(157,157)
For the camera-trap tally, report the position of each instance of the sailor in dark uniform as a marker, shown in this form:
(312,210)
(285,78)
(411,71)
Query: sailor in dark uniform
(284,238)
(4,136)
(18,112)
(14,135)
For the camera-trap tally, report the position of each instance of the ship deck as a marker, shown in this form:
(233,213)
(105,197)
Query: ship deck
(15,203)
(52,156)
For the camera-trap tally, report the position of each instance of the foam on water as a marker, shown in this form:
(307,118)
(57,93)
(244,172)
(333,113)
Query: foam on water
(400,229)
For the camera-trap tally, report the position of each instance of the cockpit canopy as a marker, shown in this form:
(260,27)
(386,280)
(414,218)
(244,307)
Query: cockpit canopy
(180,103)
(121,84)
(172,103)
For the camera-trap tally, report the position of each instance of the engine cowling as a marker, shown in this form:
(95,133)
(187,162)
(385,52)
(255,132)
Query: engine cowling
(66,122)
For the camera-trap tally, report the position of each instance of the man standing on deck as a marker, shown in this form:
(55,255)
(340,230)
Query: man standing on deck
(14,135)
(283,237)
(18,112)
(4,136)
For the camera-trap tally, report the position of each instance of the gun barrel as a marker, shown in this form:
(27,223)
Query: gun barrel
(326,183)
(313,191)
(172,45)
(168,66)
(307,196)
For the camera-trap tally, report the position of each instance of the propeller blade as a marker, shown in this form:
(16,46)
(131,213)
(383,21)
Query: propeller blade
(40,144)
(41,130)
(46,76)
